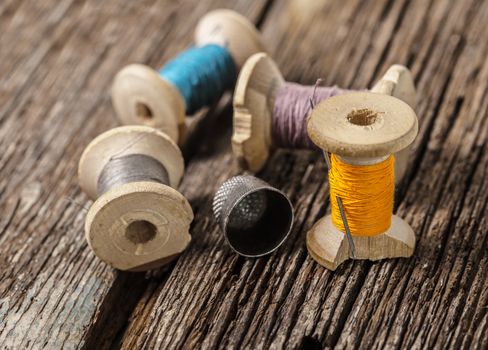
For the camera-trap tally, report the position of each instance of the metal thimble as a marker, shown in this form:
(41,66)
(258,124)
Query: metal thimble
(255,217)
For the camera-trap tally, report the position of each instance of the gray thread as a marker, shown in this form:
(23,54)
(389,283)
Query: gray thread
(293,104)
(131,168)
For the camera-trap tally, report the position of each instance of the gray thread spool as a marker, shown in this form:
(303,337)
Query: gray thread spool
(131,168)
(255,217)
(138,221)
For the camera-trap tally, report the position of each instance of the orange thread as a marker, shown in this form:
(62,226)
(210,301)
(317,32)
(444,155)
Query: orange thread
(367,193)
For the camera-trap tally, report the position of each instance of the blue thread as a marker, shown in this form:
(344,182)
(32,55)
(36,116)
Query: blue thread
(201,74)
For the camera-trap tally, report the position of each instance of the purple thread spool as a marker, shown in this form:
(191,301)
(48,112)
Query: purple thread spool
(291,110)
(271,113)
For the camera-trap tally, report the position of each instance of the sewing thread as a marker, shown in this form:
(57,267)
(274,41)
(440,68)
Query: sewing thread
(201,75)
(291,110)
(367,193)
(131,168)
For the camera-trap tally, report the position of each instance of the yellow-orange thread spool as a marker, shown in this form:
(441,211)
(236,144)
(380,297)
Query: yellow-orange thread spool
(366,192)
(363,130)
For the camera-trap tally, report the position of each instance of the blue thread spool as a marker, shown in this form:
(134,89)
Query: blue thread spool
(195,78)
(201,75)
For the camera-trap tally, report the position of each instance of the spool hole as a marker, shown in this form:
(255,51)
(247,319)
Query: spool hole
(140,231)
(362,117)
(143,111)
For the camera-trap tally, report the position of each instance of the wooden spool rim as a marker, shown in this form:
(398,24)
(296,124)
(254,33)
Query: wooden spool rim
(125,140)
(141,97)
(398,82)
(335,125)
(253,103)
(329,247)
(161,207)
(231,30)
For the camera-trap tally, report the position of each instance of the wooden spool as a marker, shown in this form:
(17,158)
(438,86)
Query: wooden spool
(254,98)
(141,96)
(332,126)
(139,225)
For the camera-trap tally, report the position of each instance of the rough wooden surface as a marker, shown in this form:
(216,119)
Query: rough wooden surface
(57,62)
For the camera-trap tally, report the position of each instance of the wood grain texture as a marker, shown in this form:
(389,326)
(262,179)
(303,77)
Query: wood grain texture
(213,298)
(57,63)
(56,71)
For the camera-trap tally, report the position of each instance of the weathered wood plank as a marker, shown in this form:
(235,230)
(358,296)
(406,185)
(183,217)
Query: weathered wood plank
(214,298)
(442,206)
(60,60)
(57,63)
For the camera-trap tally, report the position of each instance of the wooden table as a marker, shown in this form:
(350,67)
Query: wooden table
(57,61)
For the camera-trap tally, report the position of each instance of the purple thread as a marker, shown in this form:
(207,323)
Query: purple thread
(290,112)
